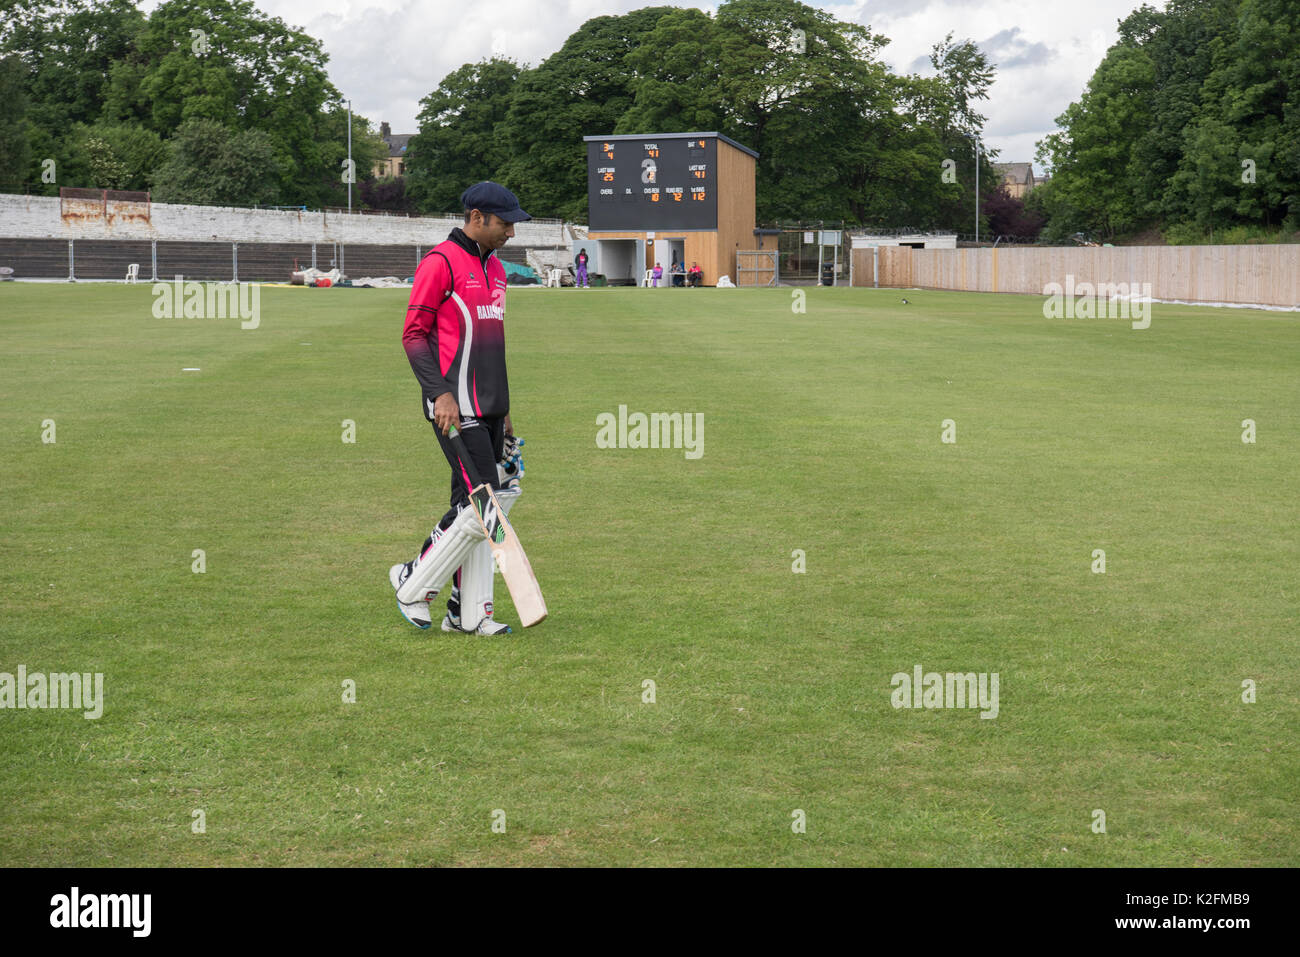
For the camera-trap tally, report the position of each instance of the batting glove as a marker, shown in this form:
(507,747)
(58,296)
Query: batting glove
(511,467)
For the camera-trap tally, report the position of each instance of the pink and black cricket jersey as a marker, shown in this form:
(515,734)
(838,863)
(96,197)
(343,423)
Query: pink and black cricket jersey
(455,328)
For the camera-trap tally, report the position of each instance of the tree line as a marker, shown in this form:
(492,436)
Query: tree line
(212,101)
(203,101)
(839,136)
(1190,124)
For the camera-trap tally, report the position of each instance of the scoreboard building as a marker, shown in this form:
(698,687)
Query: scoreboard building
(655,197)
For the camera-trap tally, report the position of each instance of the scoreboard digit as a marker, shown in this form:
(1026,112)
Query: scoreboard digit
(661,182)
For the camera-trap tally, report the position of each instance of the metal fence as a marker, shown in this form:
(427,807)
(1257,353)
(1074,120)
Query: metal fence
(805,249)
(161,260)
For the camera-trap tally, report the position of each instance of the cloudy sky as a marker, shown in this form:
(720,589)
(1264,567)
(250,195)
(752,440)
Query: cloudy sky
(387,54)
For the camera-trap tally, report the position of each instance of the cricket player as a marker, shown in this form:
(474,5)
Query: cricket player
(455,341)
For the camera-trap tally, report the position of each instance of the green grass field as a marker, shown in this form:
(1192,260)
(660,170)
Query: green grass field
(1119,692)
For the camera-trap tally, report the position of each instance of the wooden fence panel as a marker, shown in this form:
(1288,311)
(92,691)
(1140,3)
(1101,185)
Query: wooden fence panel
(1252,274)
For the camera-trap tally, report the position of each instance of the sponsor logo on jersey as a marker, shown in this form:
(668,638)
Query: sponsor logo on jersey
(492,312)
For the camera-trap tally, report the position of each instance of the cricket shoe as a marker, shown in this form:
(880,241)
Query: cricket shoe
(416,612)
(488,626)
(451,621)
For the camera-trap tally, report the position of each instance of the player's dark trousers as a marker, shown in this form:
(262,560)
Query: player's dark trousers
(484,442)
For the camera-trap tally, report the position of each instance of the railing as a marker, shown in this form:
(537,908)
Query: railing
(968,239)
(896,231)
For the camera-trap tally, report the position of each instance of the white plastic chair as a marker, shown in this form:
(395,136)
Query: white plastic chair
(649,277)
(133,272)
(553,278)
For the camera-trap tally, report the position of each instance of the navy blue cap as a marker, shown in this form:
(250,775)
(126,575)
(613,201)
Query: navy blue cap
(494,198)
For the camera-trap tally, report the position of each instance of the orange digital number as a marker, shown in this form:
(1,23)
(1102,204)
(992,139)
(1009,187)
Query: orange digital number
(608,177)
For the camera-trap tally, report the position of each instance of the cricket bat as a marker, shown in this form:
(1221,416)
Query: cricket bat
(509,554)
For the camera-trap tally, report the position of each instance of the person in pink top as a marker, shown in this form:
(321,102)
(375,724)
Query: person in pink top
(455,342)
(657,275)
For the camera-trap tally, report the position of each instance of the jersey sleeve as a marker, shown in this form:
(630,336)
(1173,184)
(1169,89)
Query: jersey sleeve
(420,335)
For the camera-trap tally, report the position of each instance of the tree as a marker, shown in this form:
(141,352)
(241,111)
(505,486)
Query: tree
(1178,45)
(1008,215)
(328,188)
(225,61)
(1253,90)
(1192,119)
(945,104)
(461,140)
(809,94)
(68,48)
(582,90)
(964,76)
(15,148)
(212,164)
(1060,218)
(1093,157)
(386,193)
(112,156)
(676,76)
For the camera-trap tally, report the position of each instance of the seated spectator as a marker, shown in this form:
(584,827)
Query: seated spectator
(679,273)
(695,277)
(656,276)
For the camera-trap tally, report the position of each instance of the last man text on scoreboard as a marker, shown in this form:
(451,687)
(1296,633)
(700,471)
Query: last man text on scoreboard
(652,182)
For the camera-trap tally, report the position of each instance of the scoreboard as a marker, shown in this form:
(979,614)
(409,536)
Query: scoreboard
(652,182)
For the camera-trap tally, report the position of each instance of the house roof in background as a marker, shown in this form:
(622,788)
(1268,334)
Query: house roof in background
(397,143)
(1020,172)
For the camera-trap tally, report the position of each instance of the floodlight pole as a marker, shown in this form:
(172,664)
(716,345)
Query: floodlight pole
(351,177)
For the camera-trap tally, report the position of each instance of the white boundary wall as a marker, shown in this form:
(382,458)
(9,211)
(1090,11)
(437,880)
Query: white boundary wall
(37,217)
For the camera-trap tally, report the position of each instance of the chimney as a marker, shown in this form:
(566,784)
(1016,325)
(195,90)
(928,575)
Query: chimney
(385,130)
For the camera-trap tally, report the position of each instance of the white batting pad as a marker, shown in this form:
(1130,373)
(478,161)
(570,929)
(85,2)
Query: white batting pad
(444,556)
(476,578)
